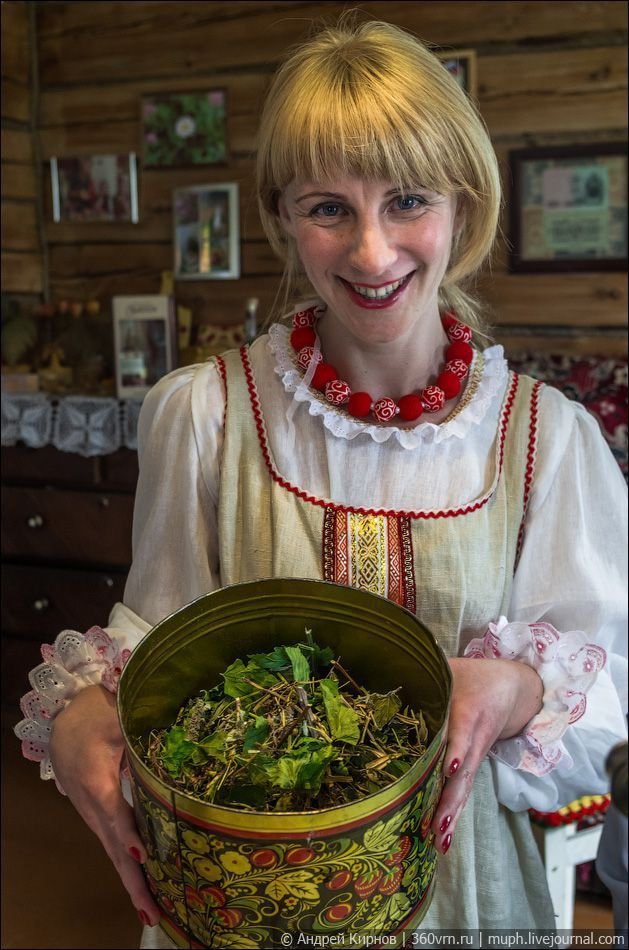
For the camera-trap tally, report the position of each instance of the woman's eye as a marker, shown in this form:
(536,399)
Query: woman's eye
(327,210)
(409,202)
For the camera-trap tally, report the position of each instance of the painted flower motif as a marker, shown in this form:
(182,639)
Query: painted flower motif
(234,862)
(185,126)
(208,869)
(195,842)
(291,902)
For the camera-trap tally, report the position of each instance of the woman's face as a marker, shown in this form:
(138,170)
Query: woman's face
(375,255)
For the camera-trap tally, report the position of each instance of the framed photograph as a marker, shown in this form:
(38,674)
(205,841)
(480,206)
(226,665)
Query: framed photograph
(207,232)
(461,63)
(144,342)
(185,128)
(95,188)
(568,208)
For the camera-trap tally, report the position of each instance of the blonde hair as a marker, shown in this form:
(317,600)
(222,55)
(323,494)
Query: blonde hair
(370,99)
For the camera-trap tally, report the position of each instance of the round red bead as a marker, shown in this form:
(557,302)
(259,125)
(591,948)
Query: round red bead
(323,375)
(359,404)
(458,367)
(448,319)
(337,392)
(410,408)
(304,318)
(385,409)
(433,398)
(302,336)
(460,351)
(450,384)
(306,355)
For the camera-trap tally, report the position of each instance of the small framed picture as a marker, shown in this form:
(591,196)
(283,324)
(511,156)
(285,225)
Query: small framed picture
(568,208)
(95,188)
(461,64)
(144,342)
(207,232)
(185,128)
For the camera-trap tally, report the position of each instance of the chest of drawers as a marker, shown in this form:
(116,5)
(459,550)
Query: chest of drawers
(66,549)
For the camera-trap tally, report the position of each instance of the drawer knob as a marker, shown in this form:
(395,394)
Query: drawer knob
(104,502)
(109,582)
(35,521)
(41,604)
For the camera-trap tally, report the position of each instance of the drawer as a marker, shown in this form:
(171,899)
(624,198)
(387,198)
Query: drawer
(39,602)
(58,525)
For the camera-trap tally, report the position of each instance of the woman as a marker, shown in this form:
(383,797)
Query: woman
(367,442)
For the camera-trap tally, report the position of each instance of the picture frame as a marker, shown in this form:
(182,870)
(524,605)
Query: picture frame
(88,188)
(462,65)
(144,342)
(206,225)
(568,208)
(184,128)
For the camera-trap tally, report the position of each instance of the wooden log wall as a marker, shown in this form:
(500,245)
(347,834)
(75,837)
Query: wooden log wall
(22,240)
(548,73)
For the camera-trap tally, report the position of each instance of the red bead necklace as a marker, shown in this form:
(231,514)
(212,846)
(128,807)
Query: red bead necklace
(459,354)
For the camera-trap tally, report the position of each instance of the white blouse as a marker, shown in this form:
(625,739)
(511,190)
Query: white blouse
(578,491)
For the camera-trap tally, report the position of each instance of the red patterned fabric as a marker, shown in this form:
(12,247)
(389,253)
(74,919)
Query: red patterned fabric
(599,384)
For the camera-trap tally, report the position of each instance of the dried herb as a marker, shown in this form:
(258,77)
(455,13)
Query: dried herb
(288,730)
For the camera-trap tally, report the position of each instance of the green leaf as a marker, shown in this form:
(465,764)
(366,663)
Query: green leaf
(384,706)
(300,665)
(257,732)
(342,720)
(215,746)
(236,674)
(177,750)
(303,768)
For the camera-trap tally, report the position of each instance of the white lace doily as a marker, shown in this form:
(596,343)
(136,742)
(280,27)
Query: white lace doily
(341,424)
(85,425)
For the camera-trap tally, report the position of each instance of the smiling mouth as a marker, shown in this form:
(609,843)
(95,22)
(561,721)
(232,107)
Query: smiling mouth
(378,294)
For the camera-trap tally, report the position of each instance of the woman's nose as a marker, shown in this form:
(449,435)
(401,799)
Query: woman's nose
(372,252)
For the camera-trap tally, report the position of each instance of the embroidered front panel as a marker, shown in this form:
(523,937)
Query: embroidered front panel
(372,552)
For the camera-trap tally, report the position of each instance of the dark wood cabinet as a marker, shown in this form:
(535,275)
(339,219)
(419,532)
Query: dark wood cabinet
(66,549)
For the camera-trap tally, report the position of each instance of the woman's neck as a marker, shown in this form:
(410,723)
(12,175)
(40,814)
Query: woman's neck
(384,369)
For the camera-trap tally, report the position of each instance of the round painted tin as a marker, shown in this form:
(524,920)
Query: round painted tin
(228,877)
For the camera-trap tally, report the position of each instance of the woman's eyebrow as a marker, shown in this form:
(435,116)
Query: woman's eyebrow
(336,196)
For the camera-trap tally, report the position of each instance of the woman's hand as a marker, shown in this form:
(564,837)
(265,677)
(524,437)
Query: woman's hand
(491,699)
(86,750)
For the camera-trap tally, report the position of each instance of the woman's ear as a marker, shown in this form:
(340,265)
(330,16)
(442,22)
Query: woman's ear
(284,215)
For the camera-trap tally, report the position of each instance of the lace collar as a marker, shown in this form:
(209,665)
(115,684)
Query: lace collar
(487,378)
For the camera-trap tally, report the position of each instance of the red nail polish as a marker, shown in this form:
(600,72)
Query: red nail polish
(135,854)
(444,824)
(447,841)
(144,917)
(454,766)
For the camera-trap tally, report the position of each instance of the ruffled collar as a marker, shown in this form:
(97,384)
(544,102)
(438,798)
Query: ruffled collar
(490,368)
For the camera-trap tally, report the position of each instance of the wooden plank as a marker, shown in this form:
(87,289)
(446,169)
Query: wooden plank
(583,343)
(15,46)
(17,146)
(83,42)
(578,299)
(16,101)
(19,226)
(18,181)
(22,273)
(571,90)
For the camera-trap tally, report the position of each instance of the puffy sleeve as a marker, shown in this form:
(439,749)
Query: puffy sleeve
(175,549)
(572,574)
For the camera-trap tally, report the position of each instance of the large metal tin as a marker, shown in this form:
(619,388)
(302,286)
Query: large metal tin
(225,877)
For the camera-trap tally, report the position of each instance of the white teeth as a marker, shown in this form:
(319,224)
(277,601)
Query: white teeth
(377,293)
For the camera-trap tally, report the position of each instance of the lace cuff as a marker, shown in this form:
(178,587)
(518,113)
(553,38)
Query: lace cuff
(567,665)
(74,661)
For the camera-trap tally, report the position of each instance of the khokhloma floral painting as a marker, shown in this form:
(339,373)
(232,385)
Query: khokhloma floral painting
(184,128)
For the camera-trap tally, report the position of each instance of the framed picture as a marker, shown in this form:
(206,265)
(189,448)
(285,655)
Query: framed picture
(568,208)
(461,63)
(144,342)
(185,128)
(206,232)
(95,188)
